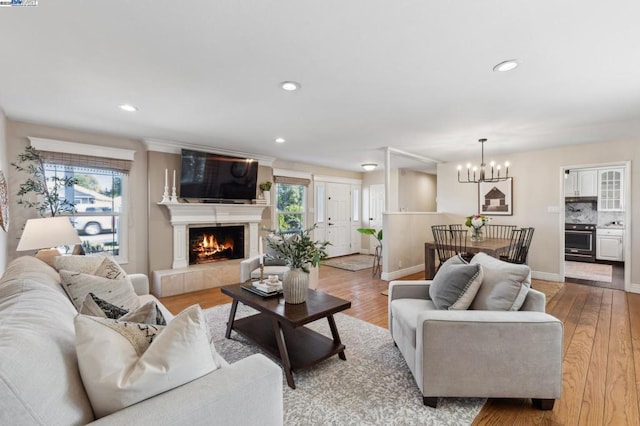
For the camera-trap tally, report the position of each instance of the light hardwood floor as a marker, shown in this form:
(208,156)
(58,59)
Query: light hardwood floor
(601,369)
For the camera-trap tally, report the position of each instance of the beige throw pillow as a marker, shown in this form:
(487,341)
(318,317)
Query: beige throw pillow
(123,363)
(84,264)
(504,286)
(109,268)
(118,292)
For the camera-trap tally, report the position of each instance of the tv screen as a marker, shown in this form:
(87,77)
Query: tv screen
(217,177)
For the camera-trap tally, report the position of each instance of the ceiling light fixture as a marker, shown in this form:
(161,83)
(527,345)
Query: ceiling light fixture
(482,177)
(506,65)
(369,166)
(128,108)
(280,140)
(290,86)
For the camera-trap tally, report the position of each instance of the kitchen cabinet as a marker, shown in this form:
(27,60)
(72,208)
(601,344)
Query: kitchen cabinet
(609,244)
(610,189)
(581,183)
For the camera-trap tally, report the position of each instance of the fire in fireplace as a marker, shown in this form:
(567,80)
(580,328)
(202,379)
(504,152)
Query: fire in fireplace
(214,243)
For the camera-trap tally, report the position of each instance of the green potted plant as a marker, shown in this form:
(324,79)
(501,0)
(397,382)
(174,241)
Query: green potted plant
(265,187)
(377,257)
(300,252)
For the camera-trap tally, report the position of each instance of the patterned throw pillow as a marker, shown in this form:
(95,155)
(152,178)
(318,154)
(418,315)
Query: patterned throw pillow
(149,313)
(124,363)
(77,263)
(109,268)
(118,292)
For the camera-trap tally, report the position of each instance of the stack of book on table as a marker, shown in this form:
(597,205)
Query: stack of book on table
(264,288)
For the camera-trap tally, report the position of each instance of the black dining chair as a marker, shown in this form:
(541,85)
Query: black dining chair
(499,231)
(457,227)
(449,242)
(519,247)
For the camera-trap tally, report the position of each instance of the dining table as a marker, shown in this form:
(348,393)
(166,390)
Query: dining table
(491,246)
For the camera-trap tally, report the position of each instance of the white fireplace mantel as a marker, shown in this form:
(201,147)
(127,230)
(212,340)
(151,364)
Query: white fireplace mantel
(183,215)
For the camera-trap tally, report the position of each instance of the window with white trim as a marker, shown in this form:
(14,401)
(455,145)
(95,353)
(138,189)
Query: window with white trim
(290,205)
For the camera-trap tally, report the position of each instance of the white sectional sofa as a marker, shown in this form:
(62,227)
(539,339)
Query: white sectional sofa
(40,383)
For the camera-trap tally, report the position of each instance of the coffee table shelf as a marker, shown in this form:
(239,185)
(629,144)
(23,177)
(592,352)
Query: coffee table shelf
(306,347)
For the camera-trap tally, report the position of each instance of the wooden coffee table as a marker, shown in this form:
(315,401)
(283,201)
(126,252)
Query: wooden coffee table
(278,327)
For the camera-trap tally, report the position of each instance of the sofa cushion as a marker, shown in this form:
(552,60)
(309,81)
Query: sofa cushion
(39,379)
(455,284)
(77,263)
(147,313)
(504,286)
(122,363)
(405,314)
(119,292)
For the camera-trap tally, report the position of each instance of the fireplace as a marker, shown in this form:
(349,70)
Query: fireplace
(215,243)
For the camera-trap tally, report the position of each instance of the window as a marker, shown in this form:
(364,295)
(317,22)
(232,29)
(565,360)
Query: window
(98,197)
(290,205)
(355,204)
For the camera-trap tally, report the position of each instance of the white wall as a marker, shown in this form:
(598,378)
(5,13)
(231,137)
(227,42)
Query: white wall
(4,167)
(416,191)
(537,185)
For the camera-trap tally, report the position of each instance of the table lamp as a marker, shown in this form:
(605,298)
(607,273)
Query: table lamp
(44,233)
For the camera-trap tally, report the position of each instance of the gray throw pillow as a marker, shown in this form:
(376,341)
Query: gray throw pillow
(455,284)
(504,287)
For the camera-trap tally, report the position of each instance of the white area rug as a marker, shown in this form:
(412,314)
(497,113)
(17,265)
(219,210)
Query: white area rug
(588,271)
(372,387)
(354,262)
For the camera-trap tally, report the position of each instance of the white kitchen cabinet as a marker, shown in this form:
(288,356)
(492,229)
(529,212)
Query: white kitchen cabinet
(609,244)
(581,183)
(610,189)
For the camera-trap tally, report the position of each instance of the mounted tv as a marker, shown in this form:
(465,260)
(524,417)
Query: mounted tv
(215,177)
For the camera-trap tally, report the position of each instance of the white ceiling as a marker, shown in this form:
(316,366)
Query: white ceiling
(415,75)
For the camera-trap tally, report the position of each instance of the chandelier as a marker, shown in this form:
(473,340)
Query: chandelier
(475,175)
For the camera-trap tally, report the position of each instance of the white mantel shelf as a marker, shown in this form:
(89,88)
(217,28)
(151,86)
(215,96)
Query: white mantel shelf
(185,214)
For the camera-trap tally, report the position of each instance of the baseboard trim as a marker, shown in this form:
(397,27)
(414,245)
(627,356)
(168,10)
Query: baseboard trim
(389,276)
(634,288)
(546,276)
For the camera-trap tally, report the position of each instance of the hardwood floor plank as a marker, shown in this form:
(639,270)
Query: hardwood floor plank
(592,410)
(609,378)
(621,404)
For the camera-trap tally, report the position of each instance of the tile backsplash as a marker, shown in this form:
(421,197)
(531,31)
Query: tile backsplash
(588,213)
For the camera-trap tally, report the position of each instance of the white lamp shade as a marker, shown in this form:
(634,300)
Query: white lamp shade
(47,232)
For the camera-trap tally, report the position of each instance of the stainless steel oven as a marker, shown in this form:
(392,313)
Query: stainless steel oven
(580,242)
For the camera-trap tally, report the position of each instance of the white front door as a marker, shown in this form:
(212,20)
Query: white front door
(376,208)
(338,218)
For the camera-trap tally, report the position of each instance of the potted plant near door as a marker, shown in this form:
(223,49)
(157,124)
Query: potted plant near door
(377,258)
(300,252)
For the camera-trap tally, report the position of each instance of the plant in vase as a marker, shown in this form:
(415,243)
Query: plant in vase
(476,223)
(300,252)
(265,188)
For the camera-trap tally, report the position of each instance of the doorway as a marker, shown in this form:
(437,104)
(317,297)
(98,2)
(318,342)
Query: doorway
(596,209)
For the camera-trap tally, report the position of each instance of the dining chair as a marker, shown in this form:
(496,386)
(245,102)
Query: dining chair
(498,231)
(449,242)
(457,226)
(519,246)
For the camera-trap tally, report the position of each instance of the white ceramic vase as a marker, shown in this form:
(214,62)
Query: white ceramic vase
(267,196)
(295,284)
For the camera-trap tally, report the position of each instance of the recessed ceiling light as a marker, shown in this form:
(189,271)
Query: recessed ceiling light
(369,166)
(290,86)
(128,108)
(506,65)
(280,140)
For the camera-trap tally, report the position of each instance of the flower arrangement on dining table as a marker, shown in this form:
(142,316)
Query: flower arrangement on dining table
(476,222)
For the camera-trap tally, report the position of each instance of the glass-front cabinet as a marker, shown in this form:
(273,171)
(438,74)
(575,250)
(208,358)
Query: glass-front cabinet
(610,189)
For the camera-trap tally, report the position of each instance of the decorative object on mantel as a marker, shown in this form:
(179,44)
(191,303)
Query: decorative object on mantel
(165,195)
(265,187)
(299,251)
(482,176)
(476,223)
(4,203)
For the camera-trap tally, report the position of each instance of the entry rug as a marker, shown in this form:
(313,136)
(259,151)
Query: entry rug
(354,262)
(372,387)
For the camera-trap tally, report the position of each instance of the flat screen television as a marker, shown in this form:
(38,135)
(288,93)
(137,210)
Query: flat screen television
(215,177)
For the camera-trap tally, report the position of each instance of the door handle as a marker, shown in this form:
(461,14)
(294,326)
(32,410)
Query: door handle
(331,224)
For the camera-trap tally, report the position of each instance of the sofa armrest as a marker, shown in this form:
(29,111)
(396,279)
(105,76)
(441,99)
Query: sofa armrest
(140,283)
(409,289)
(248,392)
(535,301)
(247,266)
(489,353)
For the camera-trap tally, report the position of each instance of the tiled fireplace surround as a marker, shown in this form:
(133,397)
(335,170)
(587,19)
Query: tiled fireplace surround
(182,278)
